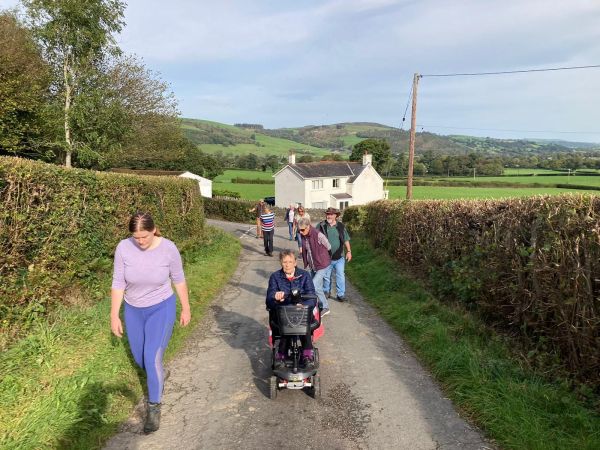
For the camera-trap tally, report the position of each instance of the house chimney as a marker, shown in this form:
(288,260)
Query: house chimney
(367,159)
(292,158)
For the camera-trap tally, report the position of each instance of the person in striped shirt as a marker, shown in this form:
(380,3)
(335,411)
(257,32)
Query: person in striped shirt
(267,223)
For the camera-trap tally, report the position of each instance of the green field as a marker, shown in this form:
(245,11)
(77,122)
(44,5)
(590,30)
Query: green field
(447,193)
(229,174)
(247,191)
(257,191)
(585,180)
(269,146)
(525,171)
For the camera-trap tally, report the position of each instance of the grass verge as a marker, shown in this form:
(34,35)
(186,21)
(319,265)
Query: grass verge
(70,383)
(475,367)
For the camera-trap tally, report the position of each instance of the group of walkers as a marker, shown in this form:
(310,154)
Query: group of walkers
(324,248)
(147,266)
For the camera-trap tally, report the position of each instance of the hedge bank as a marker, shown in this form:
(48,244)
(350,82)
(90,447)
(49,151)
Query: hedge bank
(59,228)
(529,266)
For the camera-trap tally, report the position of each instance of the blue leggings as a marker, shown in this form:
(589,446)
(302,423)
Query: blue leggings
(149,330)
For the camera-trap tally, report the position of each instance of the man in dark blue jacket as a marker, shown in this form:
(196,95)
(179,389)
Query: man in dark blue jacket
(281,284)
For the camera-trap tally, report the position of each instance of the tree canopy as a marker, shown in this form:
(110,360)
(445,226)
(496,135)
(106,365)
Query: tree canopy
(24,83)
(77,36)
(380,150)
(69,95)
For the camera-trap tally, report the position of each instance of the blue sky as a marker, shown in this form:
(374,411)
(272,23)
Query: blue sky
(293,63)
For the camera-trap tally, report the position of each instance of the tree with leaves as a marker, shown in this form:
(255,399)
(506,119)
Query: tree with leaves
(77,37)
(24,92)
(379,148)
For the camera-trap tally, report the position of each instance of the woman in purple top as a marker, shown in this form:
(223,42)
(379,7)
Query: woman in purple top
(146,264)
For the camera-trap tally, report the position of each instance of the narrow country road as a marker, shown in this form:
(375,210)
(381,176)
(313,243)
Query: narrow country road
(375,394)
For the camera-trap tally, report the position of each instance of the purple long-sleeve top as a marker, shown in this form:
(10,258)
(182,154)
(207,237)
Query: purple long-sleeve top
(146,275)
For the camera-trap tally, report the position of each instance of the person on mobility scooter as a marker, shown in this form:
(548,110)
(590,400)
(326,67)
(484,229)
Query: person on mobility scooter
(294,320)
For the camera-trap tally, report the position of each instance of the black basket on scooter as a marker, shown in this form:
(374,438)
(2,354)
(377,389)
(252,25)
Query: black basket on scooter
(294,320)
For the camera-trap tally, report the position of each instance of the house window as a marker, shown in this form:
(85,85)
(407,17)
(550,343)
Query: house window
(317,184)
(336,182)
(343,205)
(319,205)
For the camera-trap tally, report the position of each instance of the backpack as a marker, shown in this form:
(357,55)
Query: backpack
(322,227)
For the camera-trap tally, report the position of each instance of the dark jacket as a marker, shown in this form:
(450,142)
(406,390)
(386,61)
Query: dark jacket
(341,229)
(317,256)
(279,282)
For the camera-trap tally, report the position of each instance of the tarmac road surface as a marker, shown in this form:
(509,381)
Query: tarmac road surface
(375,395)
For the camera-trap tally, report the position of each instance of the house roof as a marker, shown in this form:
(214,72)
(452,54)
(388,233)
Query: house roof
(328,169)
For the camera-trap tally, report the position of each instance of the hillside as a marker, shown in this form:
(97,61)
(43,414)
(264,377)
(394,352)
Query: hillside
(214,137)
(320,140)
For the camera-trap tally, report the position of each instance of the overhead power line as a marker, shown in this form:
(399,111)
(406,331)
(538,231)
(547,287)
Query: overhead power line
(552,69)
(406,109)
(505,129)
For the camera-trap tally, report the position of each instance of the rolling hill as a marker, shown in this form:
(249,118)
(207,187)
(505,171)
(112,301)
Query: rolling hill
(320,140)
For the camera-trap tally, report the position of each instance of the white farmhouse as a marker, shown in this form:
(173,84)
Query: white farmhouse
(323,184)
(204,184)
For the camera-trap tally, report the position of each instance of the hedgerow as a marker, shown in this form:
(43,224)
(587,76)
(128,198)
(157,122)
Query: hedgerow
(59,229)
(529,266)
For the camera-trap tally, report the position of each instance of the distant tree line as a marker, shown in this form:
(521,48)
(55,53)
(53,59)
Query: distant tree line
(462,145)
(431,163)
(434,163)
(250,126)
(70,96)
(272,163)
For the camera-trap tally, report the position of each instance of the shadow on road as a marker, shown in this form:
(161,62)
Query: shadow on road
(245,333)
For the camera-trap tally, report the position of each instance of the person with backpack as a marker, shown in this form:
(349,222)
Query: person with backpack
(340,240)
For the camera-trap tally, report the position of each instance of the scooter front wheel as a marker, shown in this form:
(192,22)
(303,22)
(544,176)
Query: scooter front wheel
(274,388)
(315,390)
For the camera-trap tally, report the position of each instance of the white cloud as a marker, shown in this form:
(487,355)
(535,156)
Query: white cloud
(287,63)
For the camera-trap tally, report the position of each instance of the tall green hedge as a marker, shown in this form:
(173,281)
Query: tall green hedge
(529,265)
(59,229)
(230,210)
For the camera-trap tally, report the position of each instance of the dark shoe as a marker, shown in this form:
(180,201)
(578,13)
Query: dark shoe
(341,299)
(324,312)
(152,418)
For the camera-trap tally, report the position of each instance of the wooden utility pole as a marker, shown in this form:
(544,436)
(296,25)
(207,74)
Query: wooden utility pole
(411,145)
